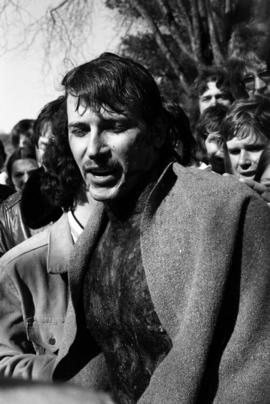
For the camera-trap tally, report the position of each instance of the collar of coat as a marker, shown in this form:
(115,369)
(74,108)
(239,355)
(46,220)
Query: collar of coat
(63,256)
(97,221)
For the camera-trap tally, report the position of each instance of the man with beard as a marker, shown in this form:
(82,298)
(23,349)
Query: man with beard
(165,296)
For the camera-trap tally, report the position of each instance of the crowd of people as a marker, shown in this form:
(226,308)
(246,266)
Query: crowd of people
(135,259)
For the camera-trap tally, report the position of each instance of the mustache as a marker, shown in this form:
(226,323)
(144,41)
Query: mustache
(90,165)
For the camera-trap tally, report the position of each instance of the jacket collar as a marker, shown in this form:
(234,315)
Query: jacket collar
(60,246)
(80,254)
(159,191)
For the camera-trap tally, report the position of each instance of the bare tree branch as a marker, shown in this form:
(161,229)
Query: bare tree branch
(183,15)
(196,29)
(217,53)
(55,9)
(174,29)
(160,41)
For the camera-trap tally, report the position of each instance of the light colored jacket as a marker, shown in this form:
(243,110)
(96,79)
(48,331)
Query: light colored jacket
(33,302)
(205,248)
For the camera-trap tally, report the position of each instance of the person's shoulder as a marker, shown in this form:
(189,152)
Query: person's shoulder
(208,191)
(26,253)
(194,179)
(12,201)
(5,192)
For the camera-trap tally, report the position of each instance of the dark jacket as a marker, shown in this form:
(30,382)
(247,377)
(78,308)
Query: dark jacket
(205,250)
(5,192)
(25,213)
(12,227)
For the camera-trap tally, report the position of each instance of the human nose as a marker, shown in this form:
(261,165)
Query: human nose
(96,144)
(21,143)
(244,159)
(259,85)
(25,177)
(213,102)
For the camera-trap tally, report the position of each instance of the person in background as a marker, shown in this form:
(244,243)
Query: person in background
(3,156)
(248,60)
(185,143)
(153,303)
(212,87)
(29,210)
(21,137)
(19,168)
(246,131)
(211,147)
(250,76)
(5,190)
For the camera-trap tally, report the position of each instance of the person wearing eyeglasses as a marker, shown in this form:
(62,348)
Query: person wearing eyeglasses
(257,81)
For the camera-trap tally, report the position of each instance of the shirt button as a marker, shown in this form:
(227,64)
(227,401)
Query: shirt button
(52,341)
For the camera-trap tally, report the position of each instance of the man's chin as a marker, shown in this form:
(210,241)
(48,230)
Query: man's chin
(104,194)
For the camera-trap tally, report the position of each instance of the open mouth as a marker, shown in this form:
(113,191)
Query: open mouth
(248,174)
(100,176)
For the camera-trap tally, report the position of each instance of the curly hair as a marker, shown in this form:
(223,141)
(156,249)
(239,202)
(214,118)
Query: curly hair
(247,116)
(215,74)
(62,180)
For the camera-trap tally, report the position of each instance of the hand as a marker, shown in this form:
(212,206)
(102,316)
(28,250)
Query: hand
(261,189)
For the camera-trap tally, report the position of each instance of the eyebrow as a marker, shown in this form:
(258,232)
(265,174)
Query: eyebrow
(79,125)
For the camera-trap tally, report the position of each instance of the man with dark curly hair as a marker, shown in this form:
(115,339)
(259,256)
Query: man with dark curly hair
(212,88)
(164,296)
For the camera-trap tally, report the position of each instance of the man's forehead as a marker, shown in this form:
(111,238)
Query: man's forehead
(24,164)
(211,87)
(79,108)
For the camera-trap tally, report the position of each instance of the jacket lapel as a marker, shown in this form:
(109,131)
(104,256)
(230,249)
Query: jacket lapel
(77,265)
(152,255)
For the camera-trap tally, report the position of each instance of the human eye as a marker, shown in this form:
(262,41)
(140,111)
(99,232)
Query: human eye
(206,98)
(234,150)
(248,80)
(255,147)
(223,96)
(214,137)
(77,131)
(118,126)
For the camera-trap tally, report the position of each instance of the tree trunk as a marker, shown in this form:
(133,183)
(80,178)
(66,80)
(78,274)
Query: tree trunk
(138,5)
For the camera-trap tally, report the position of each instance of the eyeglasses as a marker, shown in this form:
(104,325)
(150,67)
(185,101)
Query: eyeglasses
(249,79)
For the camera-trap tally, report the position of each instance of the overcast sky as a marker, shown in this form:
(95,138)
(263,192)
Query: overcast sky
(24,86)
